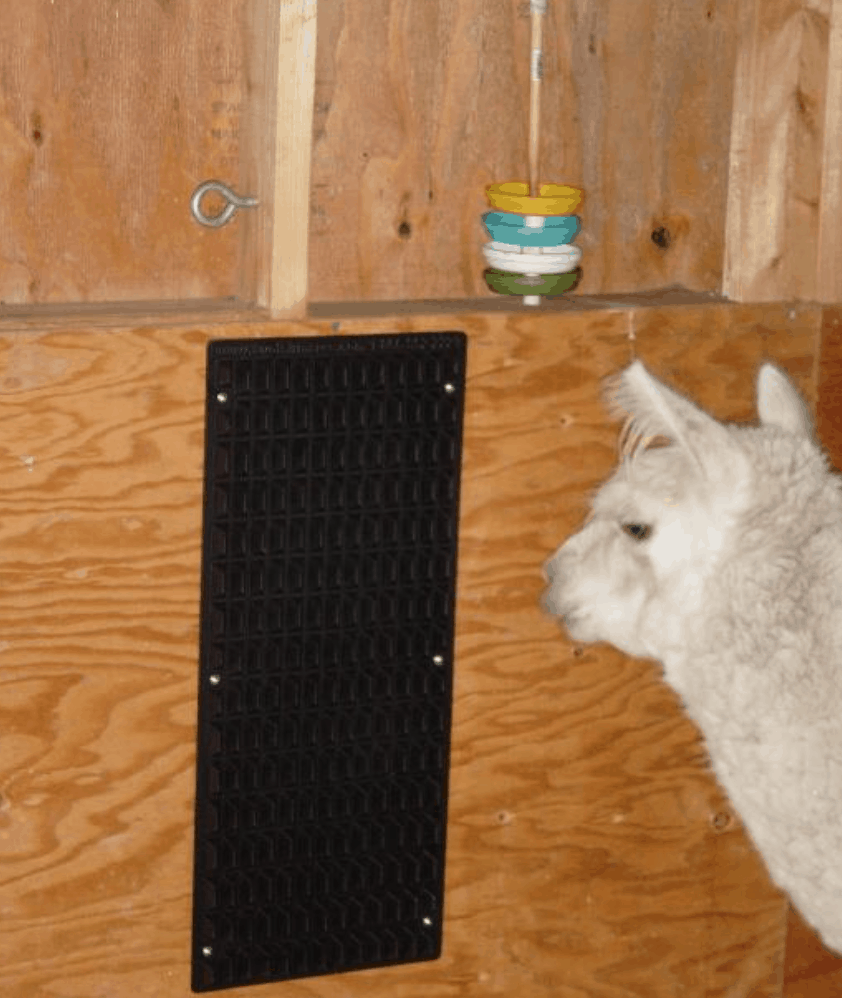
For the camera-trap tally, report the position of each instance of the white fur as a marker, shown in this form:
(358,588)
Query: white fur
(737,591)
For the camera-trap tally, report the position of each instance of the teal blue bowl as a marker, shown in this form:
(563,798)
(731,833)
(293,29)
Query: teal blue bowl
(507,227)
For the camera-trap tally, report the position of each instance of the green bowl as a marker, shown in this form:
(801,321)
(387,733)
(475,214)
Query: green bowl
(546,285)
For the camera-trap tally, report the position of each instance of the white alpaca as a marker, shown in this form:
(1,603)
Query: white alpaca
(721,556)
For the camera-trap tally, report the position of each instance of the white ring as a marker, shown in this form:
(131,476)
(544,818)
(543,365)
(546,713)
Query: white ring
(559,259)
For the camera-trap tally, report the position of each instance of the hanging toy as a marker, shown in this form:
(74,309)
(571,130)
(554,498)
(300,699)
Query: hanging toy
(532,230)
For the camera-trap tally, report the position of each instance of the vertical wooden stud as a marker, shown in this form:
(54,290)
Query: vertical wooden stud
(276,146)
(830,217)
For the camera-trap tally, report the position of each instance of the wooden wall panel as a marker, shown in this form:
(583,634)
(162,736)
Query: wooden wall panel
(422,103)
(829,278)
(417,108)
(777,201)
(810,970)
(590,852)
(651,82)
(110,115)
(687,345)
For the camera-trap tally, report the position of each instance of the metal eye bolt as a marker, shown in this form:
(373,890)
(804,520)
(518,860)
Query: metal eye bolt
(234,202)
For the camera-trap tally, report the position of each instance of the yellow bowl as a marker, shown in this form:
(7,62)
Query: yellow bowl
(554,199)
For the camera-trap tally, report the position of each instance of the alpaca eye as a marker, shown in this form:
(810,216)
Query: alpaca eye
(637,531)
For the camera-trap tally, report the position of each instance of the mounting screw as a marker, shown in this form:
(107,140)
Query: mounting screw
(438,659)
(450,388)
(426,920)
(720,821)
(215,679)
(222,396)
(207,951)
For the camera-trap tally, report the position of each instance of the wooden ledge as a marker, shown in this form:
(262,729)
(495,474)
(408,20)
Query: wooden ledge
(221,311)
(506,303)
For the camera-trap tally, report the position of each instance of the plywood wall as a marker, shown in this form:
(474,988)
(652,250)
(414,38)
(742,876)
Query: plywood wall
(589,851)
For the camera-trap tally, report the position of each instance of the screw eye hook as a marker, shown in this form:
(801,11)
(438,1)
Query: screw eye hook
(233,199)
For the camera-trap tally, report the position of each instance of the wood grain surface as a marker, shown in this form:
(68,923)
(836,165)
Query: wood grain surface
(590,853)
(829,278)
(275,150)
(420,104)
(111,114)
(780,209)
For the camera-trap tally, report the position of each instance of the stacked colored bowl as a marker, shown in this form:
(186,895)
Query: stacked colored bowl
(531,252)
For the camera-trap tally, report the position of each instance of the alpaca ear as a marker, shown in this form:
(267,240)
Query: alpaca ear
(779,403)
(655,410)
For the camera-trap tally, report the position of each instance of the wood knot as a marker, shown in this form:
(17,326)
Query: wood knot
(661,237)
(37,133)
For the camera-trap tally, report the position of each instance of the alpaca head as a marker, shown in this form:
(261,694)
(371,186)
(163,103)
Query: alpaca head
(689,495)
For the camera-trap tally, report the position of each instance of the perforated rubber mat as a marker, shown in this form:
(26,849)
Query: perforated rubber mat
(327,619)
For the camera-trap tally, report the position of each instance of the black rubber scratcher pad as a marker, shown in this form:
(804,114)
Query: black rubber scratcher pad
(327,619)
